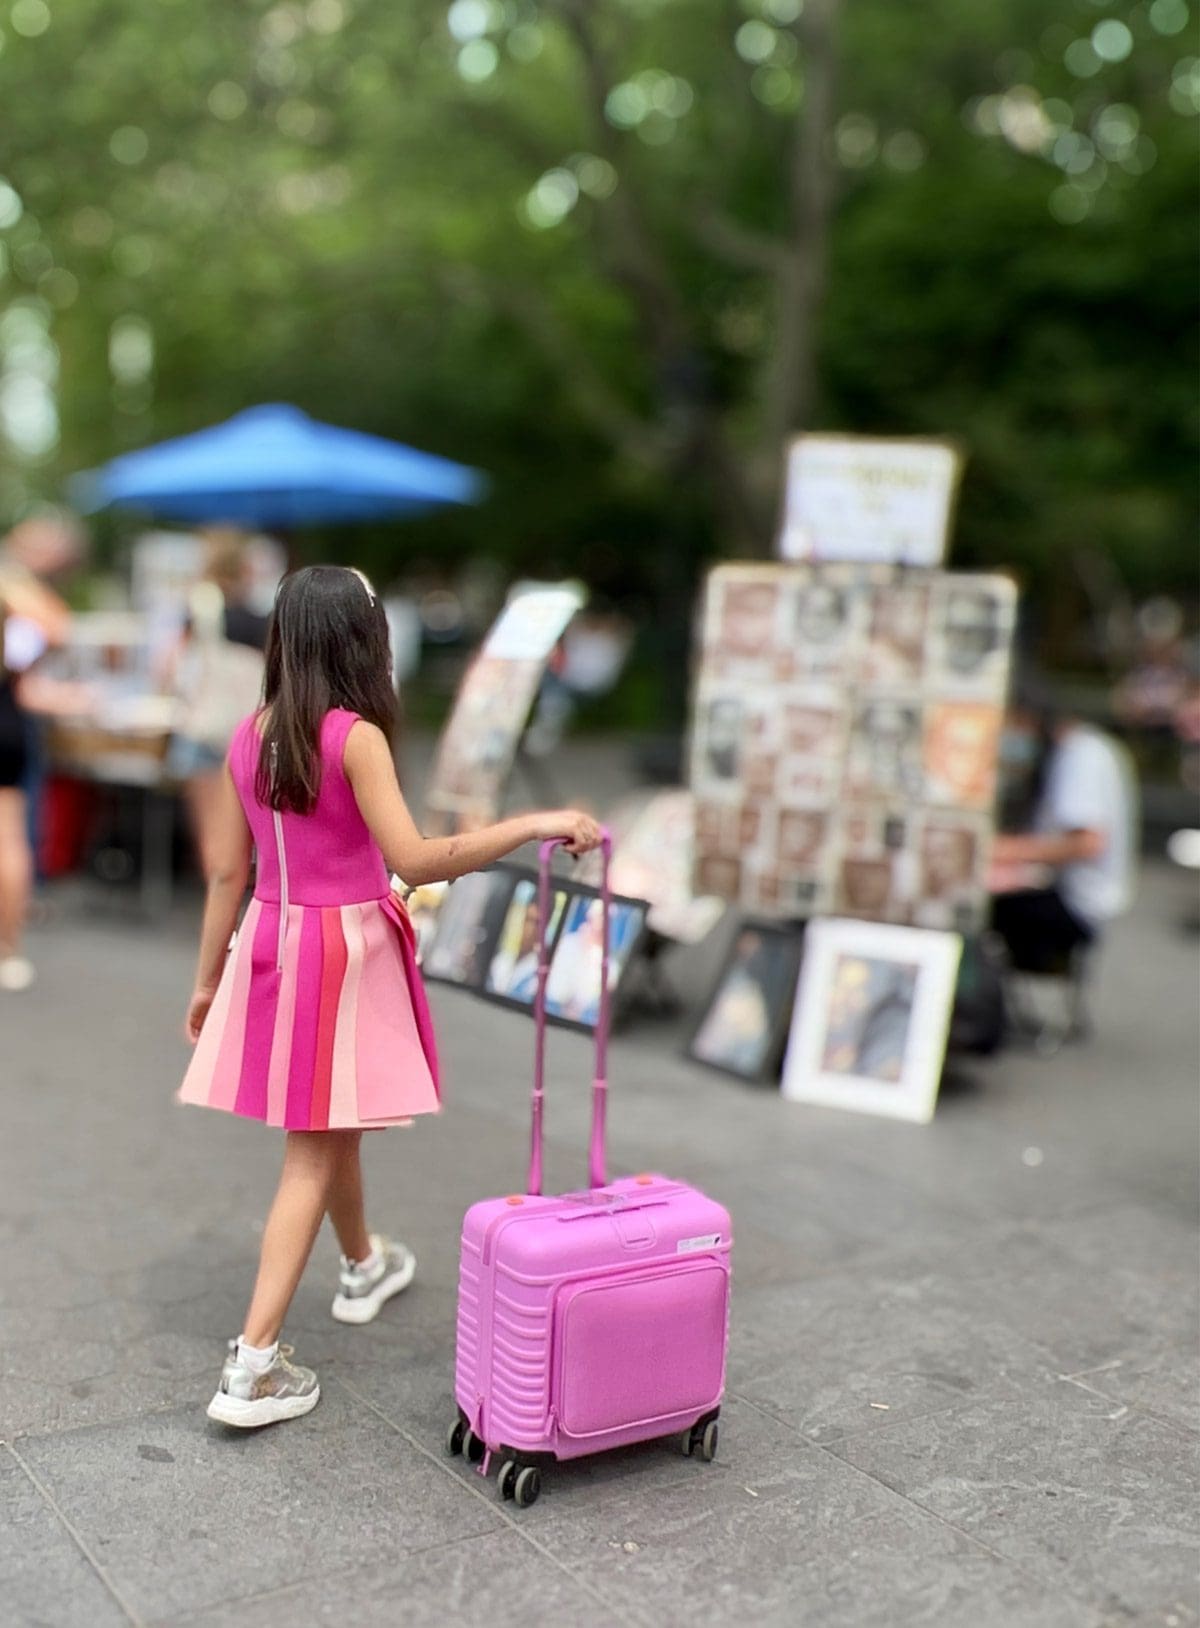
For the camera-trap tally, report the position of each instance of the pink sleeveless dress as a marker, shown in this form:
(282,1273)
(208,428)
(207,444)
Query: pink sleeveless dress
(320,1021)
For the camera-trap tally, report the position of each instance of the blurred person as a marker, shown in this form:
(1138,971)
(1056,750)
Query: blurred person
(34,557)
(16,852)
(1062,880)
(1186,723)
(23,694)
(1148,695)
(216,668)
(314,1018)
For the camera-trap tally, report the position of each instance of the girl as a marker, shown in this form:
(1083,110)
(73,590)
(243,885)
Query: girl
(316,1020)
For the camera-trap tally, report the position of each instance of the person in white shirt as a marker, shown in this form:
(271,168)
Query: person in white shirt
(1082,837)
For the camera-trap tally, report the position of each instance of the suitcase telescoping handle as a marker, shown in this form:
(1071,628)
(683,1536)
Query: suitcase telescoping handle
(596,1176)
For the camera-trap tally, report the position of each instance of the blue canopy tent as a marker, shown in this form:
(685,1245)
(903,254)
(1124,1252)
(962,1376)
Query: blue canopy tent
(273,466)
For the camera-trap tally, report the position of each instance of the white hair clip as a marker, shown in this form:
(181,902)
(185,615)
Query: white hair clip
(362,577)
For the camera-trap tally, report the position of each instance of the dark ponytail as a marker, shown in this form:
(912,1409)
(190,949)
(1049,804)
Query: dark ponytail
(327,646)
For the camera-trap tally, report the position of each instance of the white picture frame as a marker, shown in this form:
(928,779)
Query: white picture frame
(871,1019)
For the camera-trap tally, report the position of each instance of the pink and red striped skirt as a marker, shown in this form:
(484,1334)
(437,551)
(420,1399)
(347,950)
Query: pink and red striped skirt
(338,1037)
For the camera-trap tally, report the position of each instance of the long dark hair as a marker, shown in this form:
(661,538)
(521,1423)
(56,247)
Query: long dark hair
(327,646)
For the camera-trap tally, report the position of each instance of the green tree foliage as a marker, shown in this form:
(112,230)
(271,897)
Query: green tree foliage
(613,250)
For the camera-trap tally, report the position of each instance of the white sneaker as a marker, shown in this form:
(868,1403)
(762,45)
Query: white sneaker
(363,1292)
(16,974)
(247,1400)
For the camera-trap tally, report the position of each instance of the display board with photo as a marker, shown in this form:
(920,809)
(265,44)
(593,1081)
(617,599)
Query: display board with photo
(871,1018)
(745,1018)
(846,729)
(479,743)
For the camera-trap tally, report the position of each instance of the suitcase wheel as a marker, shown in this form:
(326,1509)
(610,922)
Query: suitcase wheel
(702,1439)
(472,1447)
(456,1436)
(507,1479)
(527,1486)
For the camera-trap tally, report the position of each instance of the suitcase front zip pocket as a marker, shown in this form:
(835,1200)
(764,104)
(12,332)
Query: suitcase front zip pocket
(633,1348)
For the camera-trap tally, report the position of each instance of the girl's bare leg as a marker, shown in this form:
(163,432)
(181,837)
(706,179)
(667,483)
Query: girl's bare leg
(16,870)
(346,1209)
(309,1163)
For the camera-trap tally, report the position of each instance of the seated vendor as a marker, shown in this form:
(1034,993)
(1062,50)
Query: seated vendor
(1061,880)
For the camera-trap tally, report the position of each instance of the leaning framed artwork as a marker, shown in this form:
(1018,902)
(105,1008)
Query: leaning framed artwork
(745,1018)
(573,983)
(469,920)
(871,1018)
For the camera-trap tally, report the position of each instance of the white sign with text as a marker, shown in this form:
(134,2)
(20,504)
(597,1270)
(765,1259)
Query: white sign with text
(856,498)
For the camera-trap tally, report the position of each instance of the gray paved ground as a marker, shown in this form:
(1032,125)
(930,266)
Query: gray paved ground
(962,1385)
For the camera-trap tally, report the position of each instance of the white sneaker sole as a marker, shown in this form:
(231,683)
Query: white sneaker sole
(365,1308)
(267,1410)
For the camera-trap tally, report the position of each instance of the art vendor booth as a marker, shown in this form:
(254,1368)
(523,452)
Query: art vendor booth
(846,719)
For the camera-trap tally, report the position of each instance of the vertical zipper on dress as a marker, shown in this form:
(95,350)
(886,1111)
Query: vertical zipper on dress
(277,819)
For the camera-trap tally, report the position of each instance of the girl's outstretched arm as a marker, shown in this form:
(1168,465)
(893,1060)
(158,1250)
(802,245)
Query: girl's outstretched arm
(230,853)
(417,859)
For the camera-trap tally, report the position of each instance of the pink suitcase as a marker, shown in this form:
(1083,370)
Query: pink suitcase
(594,1319)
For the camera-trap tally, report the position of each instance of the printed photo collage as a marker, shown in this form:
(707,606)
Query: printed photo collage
(845,738)
(482,931)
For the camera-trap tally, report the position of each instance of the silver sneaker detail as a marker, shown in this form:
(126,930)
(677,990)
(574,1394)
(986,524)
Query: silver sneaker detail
(362,1294)
(247,1400)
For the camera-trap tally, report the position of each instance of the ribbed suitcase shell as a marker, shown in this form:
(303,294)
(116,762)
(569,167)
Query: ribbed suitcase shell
(594,1319)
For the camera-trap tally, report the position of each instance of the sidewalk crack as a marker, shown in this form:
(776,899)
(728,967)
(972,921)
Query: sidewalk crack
(77,1538)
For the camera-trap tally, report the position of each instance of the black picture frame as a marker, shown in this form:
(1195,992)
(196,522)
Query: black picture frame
(575,896)
(525,886)
(775,984)
(473,910)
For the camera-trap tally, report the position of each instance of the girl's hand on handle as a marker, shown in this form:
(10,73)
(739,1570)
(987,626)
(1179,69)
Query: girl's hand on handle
(197,1011)
(578,831)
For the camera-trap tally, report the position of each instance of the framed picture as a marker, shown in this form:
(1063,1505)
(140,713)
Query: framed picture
(512,969)
(953,853)
(573,985)
(972,633)
(745,1019)
(469,921)
(871,1019)
(961,750)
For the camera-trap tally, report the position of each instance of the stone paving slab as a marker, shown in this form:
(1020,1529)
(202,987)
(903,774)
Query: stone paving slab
(183,1514)
(500,1580)
(1101,1502)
